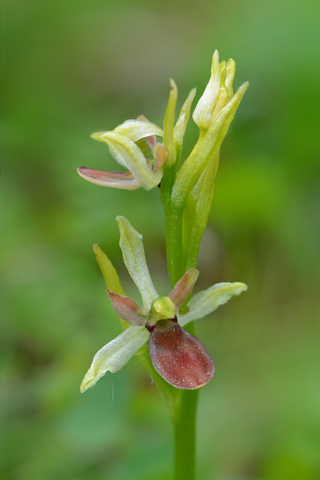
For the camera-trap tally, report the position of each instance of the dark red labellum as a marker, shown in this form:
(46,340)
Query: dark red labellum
(179,357)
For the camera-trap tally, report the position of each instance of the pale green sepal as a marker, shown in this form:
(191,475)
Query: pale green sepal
(183,119)
(209,300)
(135,260)
(113,356)
(168,127)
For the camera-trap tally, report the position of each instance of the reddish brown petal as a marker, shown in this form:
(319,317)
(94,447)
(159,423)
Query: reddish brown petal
(126,308)
(179,357)
(121,180)
(184,287)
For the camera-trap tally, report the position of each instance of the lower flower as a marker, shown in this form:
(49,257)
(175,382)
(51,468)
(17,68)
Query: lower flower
(179,357)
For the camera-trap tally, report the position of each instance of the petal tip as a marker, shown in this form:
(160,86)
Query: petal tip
(87,382)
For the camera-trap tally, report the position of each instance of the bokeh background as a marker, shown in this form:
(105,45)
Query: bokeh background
(70,68)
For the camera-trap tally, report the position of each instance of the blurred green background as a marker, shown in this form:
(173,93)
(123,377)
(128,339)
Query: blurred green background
(70,68)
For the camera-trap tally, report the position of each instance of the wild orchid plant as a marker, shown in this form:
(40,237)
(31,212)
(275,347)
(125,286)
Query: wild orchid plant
(181,362)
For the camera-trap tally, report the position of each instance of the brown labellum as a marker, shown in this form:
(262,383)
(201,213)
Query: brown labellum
(179,357)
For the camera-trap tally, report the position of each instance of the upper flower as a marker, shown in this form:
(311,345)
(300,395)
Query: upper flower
(133,145)
(179,357)
(217,94)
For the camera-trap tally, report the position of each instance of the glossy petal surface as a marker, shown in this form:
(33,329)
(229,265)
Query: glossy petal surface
(179,357)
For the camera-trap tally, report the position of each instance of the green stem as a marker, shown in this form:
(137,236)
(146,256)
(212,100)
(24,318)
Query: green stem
(185,435)
(174,245)
(173,219)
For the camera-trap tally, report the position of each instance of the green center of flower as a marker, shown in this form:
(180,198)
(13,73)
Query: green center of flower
(162,308)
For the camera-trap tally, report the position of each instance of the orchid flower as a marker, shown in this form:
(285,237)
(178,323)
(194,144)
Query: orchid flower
(179,357)
(133,145)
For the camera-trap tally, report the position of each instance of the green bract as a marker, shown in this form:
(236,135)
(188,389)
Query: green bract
(144,320)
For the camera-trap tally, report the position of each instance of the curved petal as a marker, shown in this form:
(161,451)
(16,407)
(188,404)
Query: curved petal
(209,300)
(137,129)
(135,260)
(127,153)
(121,180)
(114,355)
(183,288)
(127,309)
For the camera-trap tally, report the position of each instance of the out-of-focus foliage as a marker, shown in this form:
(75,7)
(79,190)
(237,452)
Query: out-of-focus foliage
(72,68)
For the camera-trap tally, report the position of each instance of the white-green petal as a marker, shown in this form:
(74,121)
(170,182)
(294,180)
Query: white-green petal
(135,260)
(113,356)
(209,300)
(137,129)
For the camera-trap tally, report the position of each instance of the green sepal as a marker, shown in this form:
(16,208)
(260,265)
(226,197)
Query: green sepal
(110,276)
